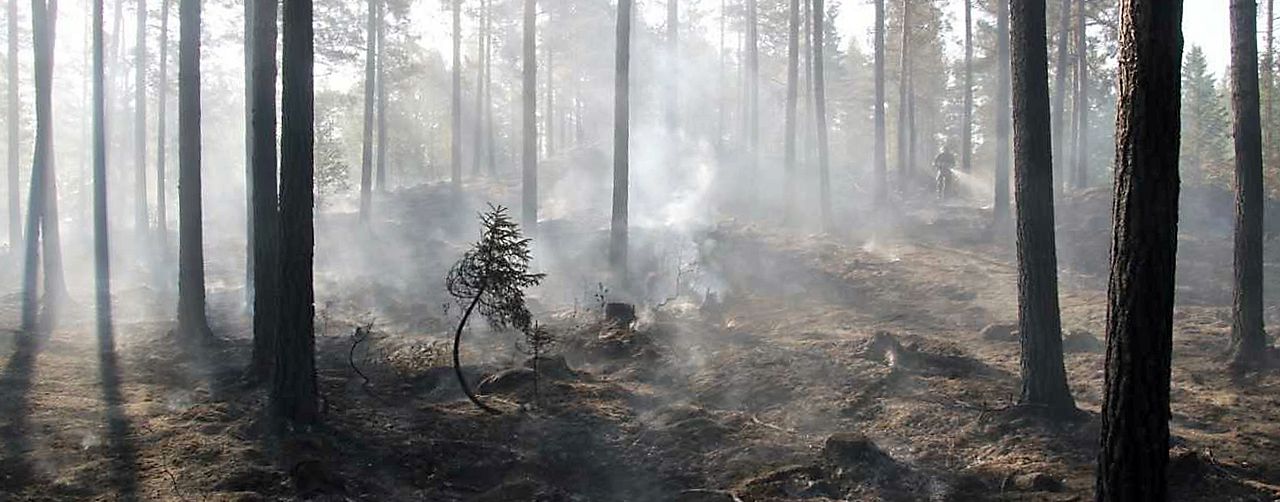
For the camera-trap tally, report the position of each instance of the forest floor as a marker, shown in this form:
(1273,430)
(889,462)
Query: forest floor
(867,366)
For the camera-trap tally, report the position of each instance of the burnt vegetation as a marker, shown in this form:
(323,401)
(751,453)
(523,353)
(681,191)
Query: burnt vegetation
(757,250)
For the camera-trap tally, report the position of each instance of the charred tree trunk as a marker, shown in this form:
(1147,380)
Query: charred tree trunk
(1135,415)
(142,221)
(1081,156)
(266,212)
(621,144)
(1044,377)
(529,159)
(820,113)
(789,149)
(904,98)
(101,258)
(882,176)
(1248,340)
(192,321)
(966,139)
(1060,97)
(293,389)
(380,82)
(366,137)
(162,114)
(1000,211)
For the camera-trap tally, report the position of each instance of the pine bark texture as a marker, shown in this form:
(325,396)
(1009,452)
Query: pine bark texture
(1134,456)
(1044,378)
(881,160)
(266,212)
(1248,340)
(820,112)
(1000,211)
(621,144)
(192,320)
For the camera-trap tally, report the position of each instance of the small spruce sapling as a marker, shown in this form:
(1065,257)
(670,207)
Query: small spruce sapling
(536,342)
(492,276)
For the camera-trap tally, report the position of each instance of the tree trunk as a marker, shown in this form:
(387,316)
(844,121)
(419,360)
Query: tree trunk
(455,128)
(673,79)
(293,389)
(820,113)
(793,74)
(366,138)
(477,139)
(141,219)
(15,212)
(529,160)
(1269,85)
(1081,156)
(753,95)
(192,321)
(966,139)
(42,213)
(548,116)
(1060,97)
(1135,415)
(162,113)
(904,72)
(723,86)
(101,257)
(621,143)
(1000,211)
(1044,378)
(490,157)
(1248,340)
(250,235)
(380,81)
(881,155)
(266,212)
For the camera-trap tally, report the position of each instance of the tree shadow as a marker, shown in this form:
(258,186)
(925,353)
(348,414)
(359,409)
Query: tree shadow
(15,387)
(121,451)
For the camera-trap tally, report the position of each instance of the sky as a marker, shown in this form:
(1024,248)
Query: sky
(1204,23)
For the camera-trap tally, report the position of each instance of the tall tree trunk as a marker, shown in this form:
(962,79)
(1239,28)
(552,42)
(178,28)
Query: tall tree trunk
(673,57)
(1081,156)
(141,219)
(455,128)
(904,76)
(192,321)
(820,113)
(793,74)
(753,95)
(723,86)
(1269,85)
(1044,377)
(477,139)
(162,113)
(11,72)
(42,213)
(966,139)
(266,212)
(293,389)
(1060,98)
(881,155)
(529,162)
(621,145)
(548,116)
(1000,211)
(380,153)
(489,143)
(366,138)
(249,233)
(1133,462)
(1248,340)
(101,257)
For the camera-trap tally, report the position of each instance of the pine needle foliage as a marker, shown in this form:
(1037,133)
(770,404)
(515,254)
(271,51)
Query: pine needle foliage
(492,277)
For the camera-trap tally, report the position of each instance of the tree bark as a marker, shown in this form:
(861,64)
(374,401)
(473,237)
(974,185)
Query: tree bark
(1000,209)
(42,208)
(162,113)
(753,95)
(966,139)
(1248,340)
(101,257)
(1044,378)
(455,128)
(880,161)
(293,389)
(1081,156)
(380,80)
(820,113)
(141,221)
(548,116)
(192,321)
(904,75)
(15,211)
(266,213)
(789,148)
(1060,97)
(621,144)
(1135,415)
(477,140)
(366,138)
(529,158)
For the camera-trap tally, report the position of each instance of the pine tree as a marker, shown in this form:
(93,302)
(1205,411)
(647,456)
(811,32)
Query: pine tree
(366,137)
(820,111)
(162,113)
(881,160)
(529,159)
(101,258)
(141,219)
(266,212)
(1206,125)
(1248,340)
(621,144)
(192,320)
(1000,211)
(793,74)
